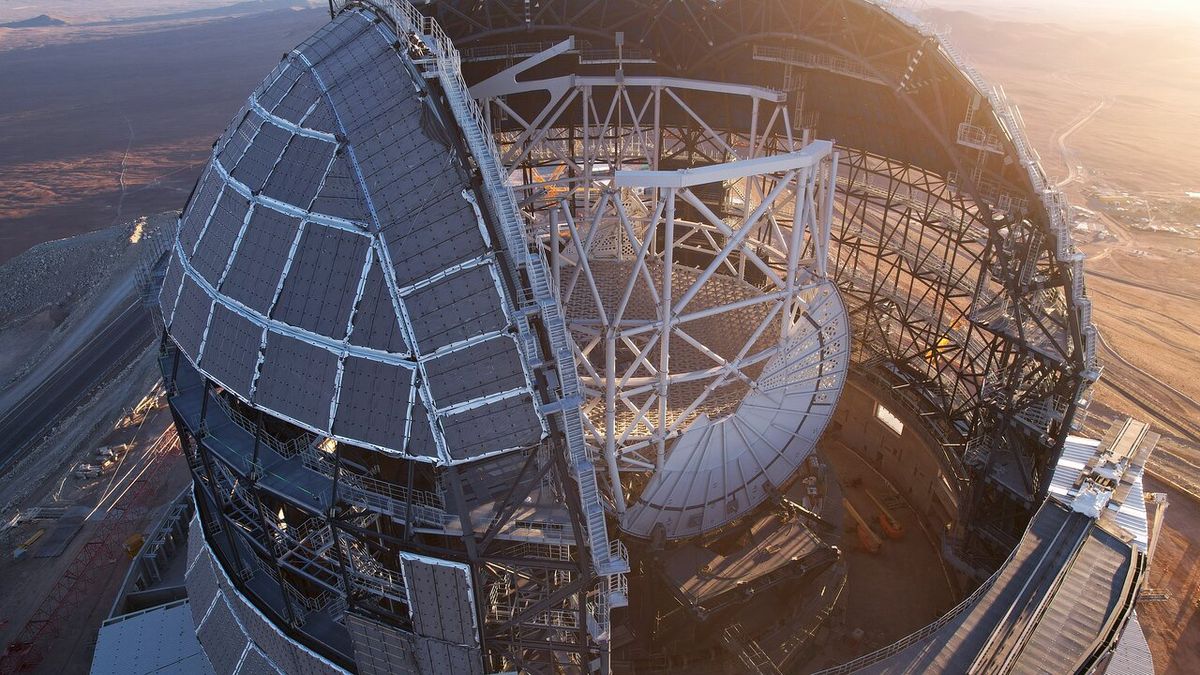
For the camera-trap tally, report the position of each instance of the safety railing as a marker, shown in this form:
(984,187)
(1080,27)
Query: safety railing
(506,51)
(287,449)
(976,137)
(505,602)
(828,62)
(916,637)
(561,552)
(426,508)
(437,53)
(369,574)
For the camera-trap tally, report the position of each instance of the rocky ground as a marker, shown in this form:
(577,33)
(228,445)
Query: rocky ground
(43,290)
(1172,619)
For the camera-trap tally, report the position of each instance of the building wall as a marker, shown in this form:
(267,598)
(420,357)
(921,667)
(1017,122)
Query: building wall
(908,459)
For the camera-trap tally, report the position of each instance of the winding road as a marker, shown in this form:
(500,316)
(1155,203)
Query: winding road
(1073,167)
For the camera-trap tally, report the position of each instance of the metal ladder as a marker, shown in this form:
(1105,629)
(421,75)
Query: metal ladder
(445,64)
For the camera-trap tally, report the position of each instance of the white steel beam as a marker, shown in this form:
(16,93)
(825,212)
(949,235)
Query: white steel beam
(807,158)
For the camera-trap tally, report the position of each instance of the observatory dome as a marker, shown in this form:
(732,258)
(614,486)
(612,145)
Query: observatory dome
(476,302)
(333,266)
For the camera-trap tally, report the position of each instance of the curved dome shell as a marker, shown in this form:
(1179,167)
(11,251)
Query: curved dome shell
(333,267)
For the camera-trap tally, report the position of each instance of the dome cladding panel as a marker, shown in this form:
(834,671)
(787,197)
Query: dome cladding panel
(220,235)
(321,285)
(297,176)
(331,267)
(262,255)
(231,348)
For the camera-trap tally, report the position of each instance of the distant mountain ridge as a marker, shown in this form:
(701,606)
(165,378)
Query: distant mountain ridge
(40,21)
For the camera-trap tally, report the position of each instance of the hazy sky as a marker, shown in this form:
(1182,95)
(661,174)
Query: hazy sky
(1139,11)
(1080,10)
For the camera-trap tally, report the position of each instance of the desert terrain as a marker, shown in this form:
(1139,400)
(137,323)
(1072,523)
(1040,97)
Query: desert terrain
(111,115)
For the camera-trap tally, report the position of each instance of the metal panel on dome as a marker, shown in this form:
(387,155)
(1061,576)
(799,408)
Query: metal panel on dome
(339,194)
(440,598)
(297,380)
(169,293)
(489,367)
(258,263)
(373,403)
(299,98)
(504,425)
(440,231)
(361,46)
(191,225)
(220,234)
(191,317)
(320,117)
(436,656)
(388,130)
(231,349)
(321,284)
(375,322)
(380,649)
(256,663)
(428,174)
(333,35)
(421,442)
(222,637)
(159,639)
(277,84)
(463,304)
(297,177)
(231,150)
(201,579)
(264,151)
(227,134)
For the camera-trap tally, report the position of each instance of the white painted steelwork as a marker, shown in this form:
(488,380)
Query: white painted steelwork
(710,346)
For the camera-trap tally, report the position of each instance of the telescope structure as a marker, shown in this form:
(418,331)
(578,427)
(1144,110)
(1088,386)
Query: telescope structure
(493,328)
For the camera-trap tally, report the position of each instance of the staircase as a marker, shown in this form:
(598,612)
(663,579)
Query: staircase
(443,62)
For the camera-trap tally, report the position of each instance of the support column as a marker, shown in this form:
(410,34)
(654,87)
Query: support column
(610,415)
(665,319)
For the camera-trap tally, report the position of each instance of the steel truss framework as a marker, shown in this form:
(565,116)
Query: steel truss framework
(685,290)
(309,532)
(952,252)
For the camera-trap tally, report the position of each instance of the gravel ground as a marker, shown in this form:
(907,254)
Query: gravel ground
(79,434)
(44,290)
(34,280)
